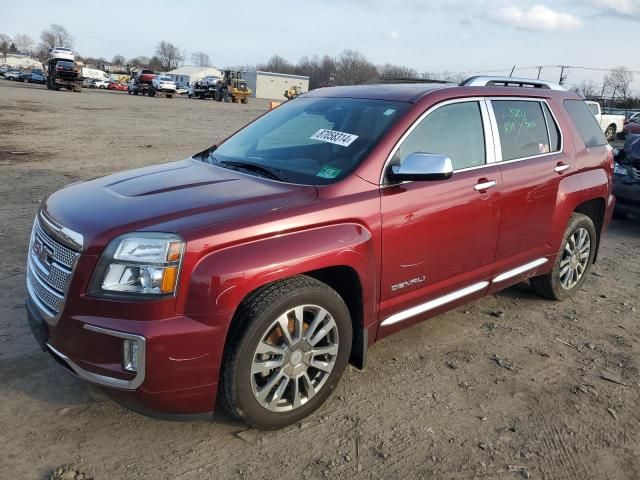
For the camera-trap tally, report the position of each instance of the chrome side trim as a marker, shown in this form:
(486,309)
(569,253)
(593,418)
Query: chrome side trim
(435,303)
(517,271)
(65,235)
(104,380)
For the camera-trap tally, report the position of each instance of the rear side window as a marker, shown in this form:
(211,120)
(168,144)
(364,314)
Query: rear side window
(585,122)
(522,127)
(440,133)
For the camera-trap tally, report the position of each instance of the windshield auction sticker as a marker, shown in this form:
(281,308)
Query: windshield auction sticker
(332,136)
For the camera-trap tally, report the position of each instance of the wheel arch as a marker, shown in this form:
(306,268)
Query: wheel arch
(595,209)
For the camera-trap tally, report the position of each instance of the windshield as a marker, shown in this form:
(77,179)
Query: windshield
(166,79)
(312,141)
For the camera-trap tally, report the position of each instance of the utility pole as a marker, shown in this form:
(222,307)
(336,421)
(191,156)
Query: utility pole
(539,72)
(512,70)
(563,77)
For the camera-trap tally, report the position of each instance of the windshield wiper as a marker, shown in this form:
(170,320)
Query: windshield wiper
(266,171)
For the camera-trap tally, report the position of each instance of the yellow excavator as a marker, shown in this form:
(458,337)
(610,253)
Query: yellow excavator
(292,92)
(232,88)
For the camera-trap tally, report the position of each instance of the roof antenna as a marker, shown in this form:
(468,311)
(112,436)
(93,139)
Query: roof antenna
(512,70)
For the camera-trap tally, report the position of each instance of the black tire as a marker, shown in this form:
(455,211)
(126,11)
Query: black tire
(619,214)
(245,100)
(253,319)
(549,285)
(610,133)
(226,97)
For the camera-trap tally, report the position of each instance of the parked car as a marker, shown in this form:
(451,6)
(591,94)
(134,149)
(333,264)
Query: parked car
(117,86)
(88,82)
(182,88)
(162,84)
(104,84)
(13,74)
(633,117)
(611,124)
(35,76)
(626,179)
(631,127)
(254,271)
(3,69)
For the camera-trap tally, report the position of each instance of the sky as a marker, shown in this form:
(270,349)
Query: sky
(457,36)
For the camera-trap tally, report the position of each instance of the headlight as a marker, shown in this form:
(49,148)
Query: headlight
(620,170)
(139,264)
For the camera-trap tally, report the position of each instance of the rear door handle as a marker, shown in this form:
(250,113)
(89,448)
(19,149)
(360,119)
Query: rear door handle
(479,187)
(561,167)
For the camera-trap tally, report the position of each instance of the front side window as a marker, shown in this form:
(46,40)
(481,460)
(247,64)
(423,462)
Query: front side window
(522,129)
(454,130)
(313,141)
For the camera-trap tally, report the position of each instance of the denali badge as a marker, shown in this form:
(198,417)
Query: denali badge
(408,283)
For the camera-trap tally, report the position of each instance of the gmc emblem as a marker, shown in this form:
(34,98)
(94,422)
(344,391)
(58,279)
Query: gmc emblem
(41,253)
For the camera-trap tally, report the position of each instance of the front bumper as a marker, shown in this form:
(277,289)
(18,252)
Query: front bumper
(178,359)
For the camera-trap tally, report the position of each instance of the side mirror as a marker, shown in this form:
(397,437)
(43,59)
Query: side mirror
(422,166)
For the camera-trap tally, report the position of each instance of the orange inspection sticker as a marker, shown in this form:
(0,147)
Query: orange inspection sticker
(333,136)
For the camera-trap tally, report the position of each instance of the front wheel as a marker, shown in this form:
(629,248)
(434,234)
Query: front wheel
(610,133)
(573,262)
(289,347)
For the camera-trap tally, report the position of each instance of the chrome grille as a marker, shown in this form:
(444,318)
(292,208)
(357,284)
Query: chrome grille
(49,270)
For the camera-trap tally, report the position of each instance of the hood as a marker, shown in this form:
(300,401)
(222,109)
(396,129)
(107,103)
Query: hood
(170,197)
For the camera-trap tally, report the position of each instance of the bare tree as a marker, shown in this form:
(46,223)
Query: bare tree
(24,42)
(397,72)
(5,41)
(277,64)
(169,55)
(619,80)
(586,90)
(55,36)
(118,60)
(200,59)
(352,68)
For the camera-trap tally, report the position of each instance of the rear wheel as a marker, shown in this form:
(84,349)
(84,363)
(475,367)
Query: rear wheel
(287,352)
(245,100)
(573,262)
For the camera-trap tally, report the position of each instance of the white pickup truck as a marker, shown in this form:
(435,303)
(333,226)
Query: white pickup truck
(611,124)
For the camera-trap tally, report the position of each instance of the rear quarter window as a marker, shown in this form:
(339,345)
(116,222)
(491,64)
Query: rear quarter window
(585,123)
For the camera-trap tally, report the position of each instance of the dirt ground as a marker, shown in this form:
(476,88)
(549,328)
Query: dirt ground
(511,386)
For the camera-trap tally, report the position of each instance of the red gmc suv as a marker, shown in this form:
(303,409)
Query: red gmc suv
(254,271)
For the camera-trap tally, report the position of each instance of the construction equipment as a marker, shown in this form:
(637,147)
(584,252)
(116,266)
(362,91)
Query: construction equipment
(292,92)
(232,88)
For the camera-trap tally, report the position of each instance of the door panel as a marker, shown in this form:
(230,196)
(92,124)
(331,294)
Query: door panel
(440,237)
(532,165)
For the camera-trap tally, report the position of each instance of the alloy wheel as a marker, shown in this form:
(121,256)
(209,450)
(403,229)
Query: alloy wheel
(294,358)
(575,258)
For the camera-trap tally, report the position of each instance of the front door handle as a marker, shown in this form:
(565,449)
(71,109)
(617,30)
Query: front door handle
(486,185)
(561,167)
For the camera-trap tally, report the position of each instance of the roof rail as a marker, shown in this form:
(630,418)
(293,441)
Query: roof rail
(485,81)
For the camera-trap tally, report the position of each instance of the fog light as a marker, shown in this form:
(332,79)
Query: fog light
(130,355)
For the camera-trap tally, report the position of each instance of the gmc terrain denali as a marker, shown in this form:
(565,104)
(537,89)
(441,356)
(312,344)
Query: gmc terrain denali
(254,271)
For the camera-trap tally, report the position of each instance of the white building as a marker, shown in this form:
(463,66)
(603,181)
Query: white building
(273,85)
(189,74)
